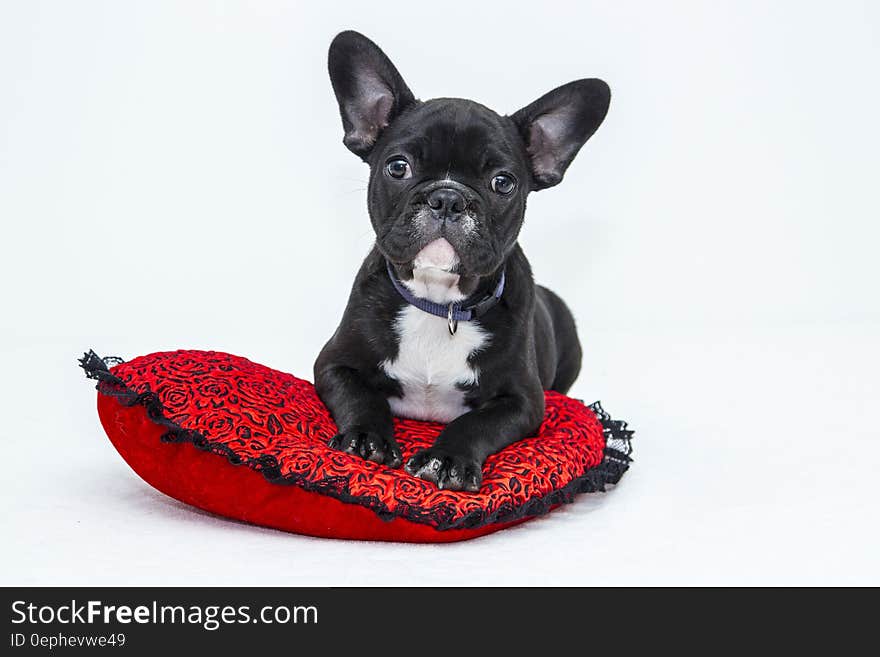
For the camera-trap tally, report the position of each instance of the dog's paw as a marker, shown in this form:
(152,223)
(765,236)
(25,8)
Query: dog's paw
(446,469)
(369,445)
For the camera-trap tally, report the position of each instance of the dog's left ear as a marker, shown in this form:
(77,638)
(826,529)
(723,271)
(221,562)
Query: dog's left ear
(556,125)
(370,91)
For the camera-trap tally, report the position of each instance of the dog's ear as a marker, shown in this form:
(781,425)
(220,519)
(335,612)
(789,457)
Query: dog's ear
(368,87)
(556,125)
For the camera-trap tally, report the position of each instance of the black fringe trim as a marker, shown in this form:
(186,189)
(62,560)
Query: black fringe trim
(616,462)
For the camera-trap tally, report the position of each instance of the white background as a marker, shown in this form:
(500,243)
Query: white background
(172,175)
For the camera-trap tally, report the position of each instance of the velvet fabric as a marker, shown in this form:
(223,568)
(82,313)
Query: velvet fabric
(247,442)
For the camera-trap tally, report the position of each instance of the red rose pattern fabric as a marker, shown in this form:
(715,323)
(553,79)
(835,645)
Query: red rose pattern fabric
(275,423)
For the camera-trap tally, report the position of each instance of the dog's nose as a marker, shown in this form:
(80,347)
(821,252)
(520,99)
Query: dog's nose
(446,203)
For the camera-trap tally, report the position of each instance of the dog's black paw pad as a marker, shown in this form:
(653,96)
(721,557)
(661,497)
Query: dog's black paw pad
(446,470)
(369,445)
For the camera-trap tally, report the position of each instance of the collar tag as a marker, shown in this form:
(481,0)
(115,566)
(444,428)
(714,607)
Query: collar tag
(451,319)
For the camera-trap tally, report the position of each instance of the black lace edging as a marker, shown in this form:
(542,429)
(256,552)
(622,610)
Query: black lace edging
(614,464)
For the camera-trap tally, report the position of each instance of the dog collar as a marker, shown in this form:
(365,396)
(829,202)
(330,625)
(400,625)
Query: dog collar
(455,312)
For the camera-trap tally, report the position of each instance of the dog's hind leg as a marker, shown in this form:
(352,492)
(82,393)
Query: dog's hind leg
(568,347)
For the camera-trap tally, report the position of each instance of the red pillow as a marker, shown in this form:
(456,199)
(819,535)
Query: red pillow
(245,441)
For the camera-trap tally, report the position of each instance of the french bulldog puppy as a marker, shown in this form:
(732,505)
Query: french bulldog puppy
(444,321)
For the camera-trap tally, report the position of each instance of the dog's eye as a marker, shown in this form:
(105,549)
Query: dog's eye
(503,184)
(398,168)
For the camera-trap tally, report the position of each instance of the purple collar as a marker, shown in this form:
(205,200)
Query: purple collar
(455,312)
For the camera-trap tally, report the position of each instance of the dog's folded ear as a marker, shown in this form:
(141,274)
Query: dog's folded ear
(370,91)
(556,125)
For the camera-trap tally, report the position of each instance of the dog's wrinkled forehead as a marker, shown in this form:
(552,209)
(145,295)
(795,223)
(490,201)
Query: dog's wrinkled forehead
(453,136)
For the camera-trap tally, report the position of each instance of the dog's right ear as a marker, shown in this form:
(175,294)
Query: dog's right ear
(368,87)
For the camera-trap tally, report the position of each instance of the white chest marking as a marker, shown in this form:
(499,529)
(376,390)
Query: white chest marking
(431,364)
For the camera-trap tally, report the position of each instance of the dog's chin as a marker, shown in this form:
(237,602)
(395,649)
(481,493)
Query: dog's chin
(439,255)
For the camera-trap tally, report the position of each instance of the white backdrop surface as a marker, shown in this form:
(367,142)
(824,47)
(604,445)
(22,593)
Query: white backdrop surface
(172,176)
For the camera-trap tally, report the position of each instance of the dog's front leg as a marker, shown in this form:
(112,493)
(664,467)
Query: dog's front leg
(361,413)
(455,460)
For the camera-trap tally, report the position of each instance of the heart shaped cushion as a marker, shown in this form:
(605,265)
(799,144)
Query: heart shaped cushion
(248,442)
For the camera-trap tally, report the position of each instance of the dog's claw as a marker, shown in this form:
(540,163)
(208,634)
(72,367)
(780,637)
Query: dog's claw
(370,446)
(447,470)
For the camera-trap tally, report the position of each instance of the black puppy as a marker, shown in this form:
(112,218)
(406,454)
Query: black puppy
(444,321)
